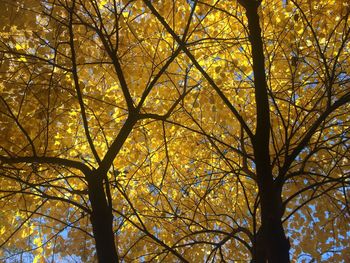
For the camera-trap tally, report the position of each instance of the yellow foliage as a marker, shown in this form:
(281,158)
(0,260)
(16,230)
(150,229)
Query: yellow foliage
(167,109)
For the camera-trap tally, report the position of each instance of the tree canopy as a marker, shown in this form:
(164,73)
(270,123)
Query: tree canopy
(174,131)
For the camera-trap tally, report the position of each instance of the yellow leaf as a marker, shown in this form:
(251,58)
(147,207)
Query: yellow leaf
(102,3)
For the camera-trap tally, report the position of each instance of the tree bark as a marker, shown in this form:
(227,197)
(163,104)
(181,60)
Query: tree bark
(259,255)
(271,244)
(102,221)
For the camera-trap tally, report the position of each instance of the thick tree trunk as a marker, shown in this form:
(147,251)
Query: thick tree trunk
(271,244)
(102,221)
(259,255)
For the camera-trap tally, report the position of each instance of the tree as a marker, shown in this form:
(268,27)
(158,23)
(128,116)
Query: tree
(174,130)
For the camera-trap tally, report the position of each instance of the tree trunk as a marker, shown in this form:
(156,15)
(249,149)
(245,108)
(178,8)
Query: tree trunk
(271,244)
(259,255)
(271,237)
(102,221)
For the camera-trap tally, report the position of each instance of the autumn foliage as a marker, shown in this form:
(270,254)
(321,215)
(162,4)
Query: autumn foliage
(174,131)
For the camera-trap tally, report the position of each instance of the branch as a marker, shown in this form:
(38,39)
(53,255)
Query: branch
(182,44)
(303,143)
(77,86)
(47,160)
(117,144)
